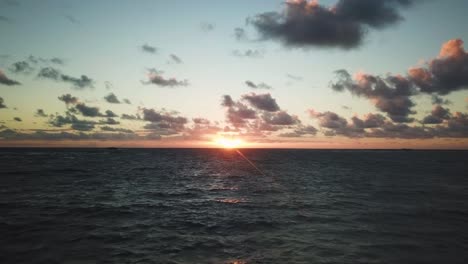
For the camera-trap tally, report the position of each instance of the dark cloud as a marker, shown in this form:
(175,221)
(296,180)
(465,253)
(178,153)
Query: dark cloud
(437,100)
(301,131)
(89,111)
(82,126)
(130,117)
(68,99)
(437,116)
(206,27)
(21,67)
(443,125)
(109,121)
(40,113)
(336,125)
(175,59)
(238,114)
(42,135)
(109,113)
(149,49)
(163,121)
(446,73)
(155,77)
(112,98)
(369,121)
(227,101)
(257,86)
(17,119)
(127,101)
(6,81)
(280,118)
(2,103)
(306,23)
(329,119)
(78,82)
(73,121)
(249,53)
(262,101)
(390,95)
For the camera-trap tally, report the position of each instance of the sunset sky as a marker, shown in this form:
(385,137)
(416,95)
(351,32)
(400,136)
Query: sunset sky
(302,74)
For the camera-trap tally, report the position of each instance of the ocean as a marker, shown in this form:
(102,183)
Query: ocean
(212,206)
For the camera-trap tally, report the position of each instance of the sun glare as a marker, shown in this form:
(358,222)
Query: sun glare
(229,143)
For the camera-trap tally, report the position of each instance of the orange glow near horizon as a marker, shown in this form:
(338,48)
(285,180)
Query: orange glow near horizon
(229,143)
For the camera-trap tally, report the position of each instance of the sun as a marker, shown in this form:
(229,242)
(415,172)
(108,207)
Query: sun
(228,143)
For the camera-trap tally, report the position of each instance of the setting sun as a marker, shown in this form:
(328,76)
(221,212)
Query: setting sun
(229,143)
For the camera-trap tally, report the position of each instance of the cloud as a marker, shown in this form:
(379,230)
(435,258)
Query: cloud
(446,73)
(329,119)
(163,122)
(280,118)
(294,77)
(77,82)
(369,121)
(175,59)
(109,121)
(437,116)
(155,77)
(73,121)
(240,34)
(207,27)
(2,103)
(257,86)
(248,53)
(68,99)
(88,110)
(389,94)
(82,126)
(127,101)
(201,121)
(306,23)
(40,113)
(238,114)
(437,100)
(57,61)
(21,67)
(6,81)
(112,98)
(227,101)
(109,113)
(301,131)
(262,101)
(130,117)
(17,119)
(10,134)
(149,49)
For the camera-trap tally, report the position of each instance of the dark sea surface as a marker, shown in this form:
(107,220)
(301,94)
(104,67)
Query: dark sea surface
(211,206)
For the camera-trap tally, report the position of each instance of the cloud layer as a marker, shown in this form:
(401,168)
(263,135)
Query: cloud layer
(306,23)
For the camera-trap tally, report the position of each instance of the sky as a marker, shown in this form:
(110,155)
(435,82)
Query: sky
(273,74)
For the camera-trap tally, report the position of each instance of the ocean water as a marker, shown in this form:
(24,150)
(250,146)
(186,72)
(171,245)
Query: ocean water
(211,206)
